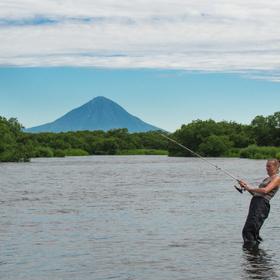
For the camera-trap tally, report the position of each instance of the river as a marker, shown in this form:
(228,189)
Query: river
(131,217)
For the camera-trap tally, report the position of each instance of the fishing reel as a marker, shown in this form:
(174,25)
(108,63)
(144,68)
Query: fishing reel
(239,189)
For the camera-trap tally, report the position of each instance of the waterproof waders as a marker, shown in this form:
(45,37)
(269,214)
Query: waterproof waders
(258,212)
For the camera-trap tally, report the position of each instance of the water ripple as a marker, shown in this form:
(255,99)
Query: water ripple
(130,218)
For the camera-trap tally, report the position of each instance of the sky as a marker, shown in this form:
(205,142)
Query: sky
(167,62)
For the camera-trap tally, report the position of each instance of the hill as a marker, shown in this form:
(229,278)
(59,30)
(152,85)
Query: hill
(98,114)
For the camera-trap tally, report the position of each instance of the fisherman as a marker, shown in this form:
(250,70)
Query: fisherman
(259,206)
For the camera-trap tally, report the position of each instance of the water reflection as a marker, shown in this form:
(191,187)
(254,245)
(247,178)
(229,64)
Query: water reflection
(258,264)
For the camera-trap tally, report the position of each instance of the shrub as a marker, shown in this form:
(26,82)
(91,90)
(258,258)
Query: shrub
(59,153)
(234,152)
(75,152)
(255,152)
(43,152)
(215,146)
(142,152)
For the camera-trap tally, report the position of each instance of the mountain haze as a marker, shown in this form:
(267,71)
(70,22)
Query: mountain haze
(98,114)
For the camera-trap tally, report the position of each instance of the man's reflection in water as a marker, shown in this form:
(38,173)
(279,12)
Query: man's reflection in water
(258,264)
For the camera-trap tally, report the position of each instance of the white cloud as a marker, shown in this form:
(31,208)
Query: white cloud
(194,35)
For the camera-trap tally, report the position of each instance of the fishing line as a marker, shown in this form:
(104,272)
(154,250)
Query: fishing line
(205,160)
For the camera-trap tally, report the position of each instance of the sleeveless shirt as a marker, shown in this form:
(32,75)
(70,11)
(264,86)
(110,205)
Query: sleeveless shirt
(263,184)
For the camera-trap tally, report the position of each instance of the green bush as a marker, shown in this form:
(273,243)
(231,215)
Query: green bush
(255,152)
(13,156)
(75,152)
(215,146)
(107,146)
(233,152)
(59,153)
(12,145)
(43,152)
(142,152)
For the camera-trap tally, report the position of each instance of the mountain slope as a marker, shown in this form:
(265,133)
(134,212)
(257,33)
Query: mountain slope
(98,114)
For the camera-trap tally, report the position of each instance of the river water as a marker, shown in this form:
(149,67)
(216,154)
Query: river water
(131,217)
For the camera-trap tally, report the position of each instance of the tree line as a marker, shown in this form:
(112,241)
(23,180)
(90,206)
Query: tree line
(16,145)
(259,139)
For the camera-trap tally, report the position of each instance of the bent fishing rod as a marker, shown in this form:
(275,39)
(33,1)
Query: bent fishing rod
(207,161)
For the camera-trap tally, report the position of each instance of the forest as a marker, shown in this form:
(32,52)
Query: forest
(258,140)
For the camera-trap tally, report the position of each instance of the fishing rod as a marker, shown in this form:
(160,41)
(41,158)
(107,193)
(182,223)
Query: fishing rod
(207,161)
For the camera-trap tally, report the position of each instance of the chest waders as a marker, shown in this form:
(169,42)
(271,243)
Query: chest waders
(258,212)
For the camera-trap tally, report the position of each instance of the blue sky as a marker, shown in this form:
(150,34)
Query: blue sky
(167,62)
(165,98)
